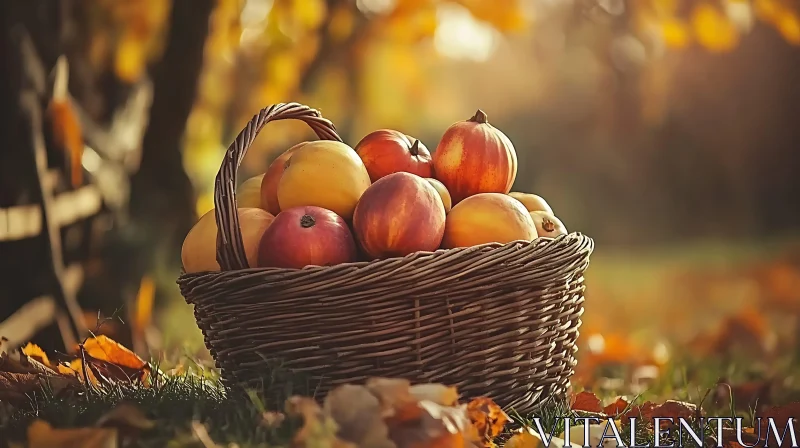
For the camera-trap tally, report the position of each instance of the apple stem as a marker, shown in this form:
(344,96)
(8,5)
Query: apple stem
(415,148)
(548,225)
(307,221)
(480,117)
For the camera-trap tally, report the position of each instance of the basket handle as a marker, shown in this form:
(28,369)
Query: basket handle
(230,249)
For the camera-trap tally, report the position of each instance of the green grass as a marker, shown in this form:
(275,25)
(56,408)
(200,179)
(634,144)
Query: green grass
(174,402)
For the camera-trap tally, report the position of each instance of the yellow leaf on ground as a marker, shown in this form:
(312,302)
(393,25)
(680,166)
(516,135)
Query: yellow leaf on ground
(36,352)
(42,435)
(487,418)
(107,349)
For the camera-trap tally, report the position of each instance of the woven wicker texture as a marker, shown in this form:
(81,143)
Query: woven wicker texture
(496,320)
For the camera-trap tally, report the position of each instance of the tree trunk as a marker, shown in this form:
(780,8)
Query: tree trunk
(162,204)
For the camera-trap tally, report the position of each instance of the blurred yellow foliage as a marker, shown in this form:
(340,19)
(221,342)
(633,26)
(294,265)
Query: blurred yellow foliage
(676,33)
(371,63)
(712,29)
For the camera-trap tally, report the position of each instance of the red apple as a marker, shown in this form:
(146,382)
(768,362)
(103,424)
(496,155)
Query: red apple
(304,236)
(387,151)
(399,214)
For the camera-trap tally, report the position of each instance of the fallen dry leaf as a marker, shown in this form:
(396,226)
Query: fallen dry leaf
(110,360)
(781,416)
(587,401)
(487,418)
(106,349)
(35,352)
(438,427)
(18,362)
(394,395)
(642,412)
(617,407)
(357,412)
(319,429)
(437,393)
(42,435)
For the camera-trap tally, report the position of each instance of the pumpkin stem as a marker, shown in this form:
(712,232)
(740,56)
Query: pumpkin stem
(414,148)
(307,221)
(480,117)
(548,225)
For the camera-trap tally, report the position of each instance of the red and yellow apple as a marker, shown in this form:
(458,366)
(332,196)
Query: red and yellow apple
(443,193)
(387,151)
(487,218)
(199,251)
(306,236)
(399,214)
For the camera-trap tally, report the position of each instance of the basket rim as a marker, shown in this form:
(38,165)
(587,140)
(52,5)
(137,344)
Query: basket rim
(586,243)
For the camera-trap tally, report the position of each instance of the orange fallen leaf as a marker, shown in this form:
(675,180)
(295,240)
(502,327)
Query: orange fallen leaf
(617,407)
(319,429)
(487,418)
(587,401)
(42,435)
(34,351)
(397,402)
(111,360)
(523,439)
(104,348)
(643,412)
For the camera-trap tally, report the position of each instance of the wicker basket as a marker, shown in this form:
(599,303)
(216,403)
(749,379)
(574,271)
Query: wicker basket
(497,320)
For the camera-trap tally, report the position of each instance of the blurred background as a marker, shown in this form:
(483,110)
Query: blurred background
(667,130)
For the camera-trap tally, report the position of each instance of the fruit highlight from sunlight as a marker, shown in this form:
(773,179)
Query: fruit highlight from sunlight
(304,236)
(387,151)
(532,202)
(487,218)
(443,193)
(269,183)
(548,225)
(199,251)
(475,157)
(398,215)
(325,174)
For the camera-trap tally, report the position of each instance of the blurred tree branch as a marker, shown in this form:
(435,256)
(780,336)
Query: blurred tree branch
(162,198)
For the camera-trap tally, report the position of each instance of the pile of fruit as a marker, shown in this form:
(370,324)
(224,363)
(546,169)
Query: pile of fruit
(323,203)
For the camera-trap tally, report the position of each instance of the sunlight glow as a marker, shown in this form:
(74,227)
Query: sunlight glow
(460,36)
(596,343)
(91,160)
(254,19)
(376,6)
